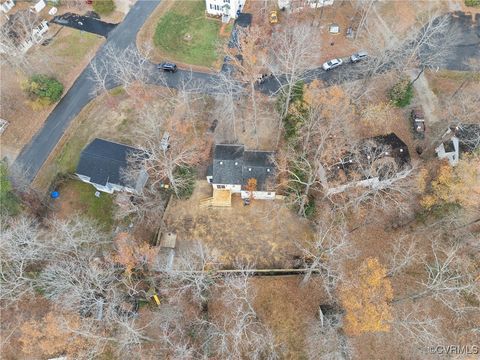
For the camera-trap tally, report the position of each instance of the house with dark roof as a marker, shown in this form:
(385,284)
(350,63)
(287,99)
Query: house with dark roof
(102,164)
(233,167)
(462,138)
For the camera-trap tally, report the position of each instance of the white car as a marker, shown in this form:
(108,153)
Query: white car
(332,64)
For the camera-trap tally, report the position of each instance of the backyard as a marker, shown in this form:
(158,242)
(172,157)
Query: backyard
(78,198)
(180,32)
(264,234)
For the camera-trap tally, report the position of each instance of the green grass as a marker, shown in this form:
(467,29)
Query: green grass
(74,46)
(99,209)
(188,17)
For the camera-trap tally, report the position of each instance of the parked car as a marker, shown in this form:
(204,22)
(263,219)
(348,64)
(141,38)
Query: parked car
(332,64)
(170,67)
(358,56)
(273,17)
(418,120)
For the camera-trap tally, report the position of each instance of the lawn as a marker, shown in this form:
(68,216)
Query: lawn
(188,17)
(79,197)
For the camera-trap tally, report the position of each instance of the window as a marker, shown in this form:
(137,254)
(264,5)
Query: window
(226,1)
(211,7)
(220,186)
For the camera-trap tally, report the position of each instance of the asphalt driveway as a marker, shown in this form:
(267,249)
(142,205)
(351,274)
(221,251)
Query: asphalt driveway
(84,23)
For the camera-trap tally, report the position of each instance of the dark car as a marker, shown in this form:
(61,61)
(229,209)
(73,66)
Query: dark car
(418,120)
(167,67)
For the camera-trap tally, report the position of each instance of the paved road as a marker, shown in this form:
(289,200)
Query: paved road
(34,154)
(37,151)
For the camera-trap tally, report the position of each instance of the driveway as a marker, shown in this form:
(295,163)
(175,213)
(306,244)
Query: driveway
(468,48)
(84,23)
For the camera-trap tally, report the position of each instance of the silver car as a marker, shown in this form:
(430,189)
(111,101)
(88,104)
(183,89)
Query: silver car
(358,56)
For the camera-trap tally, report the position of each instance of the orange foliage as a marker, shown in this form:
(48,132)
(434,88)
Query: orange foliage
(460,184)
(52,335)
(131,254)
(366,299)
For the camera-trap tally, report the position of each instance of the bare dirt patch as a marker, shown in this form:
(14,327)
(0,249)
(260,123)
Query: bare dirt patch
(264,233)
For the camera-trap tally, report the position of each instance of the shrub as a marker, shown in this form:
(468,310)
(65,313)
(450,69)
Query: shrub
(472,3)
(9,203)
(103,7)
(401,93)
(186,175)
(43,90)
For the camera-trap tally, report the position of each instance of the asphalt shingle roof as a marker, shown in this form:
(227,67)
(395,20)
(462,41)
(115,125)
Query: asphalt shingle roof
(103,162)
(234,165)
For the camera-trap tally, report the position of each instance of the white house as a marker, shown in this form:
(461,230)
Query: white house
(227,9)
(457,140)
(102,164)
(7,6)
(233,167)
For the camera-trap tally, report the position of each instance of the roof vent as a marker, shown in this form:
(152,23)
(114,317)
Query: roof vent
(221,162)
(386,152)
(268,170)
(401,150)
(236,163)
(249,169)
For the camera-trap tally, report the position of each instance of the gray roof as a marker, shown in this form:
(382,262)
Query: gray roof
(233,165)
(102,161)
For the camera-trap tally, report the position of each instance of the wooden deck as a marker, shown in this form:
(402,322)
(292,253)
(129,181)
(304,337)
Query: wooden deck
(220,198)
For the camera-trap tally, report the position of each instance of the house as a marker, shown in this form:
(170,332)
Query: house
(233,168)
(102,164)
(227,9)
(7,6)
(22,30)
(457,140)
(376,163)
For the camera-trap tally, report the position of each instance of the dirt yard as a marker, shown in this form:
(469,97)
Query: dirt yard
(262,234)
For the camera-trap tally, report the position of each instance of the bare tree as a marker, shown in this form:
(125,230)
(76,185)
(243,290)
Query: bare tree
(193,273)
(119,67)
(249,68)
(325,340)
(227,93)
(292,53)
(15,36)
(82,283)
(239,333)
(416,331)
(21,248)
(327,255)
(404,254)
(448,278)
